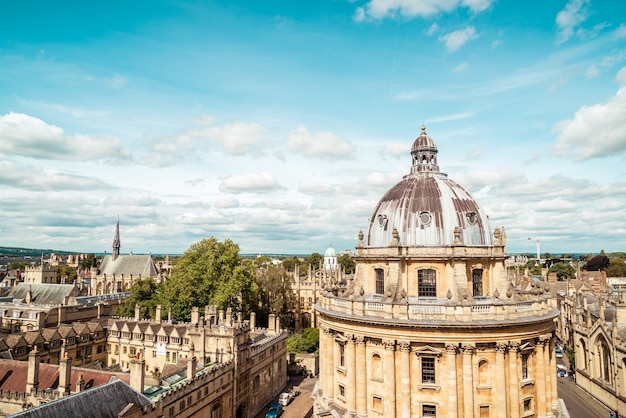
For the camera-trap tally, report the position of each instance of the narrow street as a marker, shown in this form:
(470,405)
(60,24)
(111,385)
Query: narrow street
(302,405)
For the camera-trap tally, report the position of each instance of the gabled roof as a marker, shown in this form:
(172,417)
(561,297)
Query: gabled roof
(90,403)
(128,265)
(33,337)
(47,294)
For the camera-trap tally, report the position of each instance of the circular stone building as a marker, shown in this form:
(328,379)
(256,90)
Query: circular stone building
(430,326)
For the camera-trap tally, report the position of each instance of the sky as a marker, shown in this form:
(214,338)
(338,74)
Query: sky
(280,124)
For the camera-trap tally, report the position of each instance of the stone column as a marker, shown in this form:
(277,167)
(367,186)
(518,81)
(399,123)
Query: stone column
(329,373)
(514,379)
(453,404)
(403,404)
(389,372)
(468,379)
(351,375)
(540,375)
(500,382)
(361,377)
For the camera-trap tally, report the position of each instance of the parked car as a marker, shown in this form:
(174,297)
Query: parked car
(561,371)
(275,411)
(558,353)
(284,399)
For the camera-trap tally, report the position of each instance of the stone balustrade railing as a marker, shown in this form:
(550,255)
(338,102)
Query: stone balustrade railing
(437,310)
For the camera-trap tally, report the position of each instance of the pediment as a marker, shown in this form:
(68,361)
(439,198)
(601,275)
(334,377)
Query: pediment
(427,350)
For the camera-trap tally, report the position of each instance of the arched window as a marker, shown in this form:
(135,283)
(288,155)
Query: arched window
(483,373)
(426,283)
(605,360)
(477,282)
(380,281)
(377,367)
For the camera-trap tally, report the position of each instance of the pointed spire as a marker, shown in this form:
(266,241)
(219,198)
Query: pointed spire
(116,240)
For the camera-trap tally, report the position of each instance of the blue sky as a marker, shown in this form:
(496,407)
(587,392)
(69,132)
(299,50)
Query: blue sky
(279,124)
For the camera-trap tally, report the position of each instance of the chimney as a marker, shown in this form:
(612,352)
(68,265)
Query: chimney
(65,373)
(32,379)
(229,316)
(277,324)
(272,322)
(80,384)
(221,317)
(137,373)
(158,313)
(137,312)
(191,363)
(195,315)
(252,321)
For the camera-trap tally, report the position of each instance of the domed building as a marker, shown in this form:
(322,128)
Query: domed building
(429,326)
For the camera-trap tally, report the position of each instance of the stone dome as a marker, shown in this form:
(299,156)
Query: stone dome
(427,208)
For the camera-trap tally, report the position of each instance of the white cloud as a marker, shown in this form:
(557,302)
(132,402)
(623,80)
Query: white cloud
(432,29)
(381,9)
(454,40)
(495,44)
(31,137)
(459,68)
(250,183)
(227,203)
(620,78)
(320,145)
(37,179)
(595,131)
(570,18)
(310,188)
(396,149)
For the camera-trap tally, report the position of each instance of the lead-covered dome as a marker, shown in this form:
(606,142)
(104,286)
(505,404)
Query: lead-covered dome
(427,208)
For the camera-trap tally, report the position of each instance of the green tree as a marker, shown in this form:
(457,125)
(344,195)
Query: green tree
(347,263)
(563,271)
(307,340)
(314,260)
(597,263)
(290,263)
(88,262)
(275,293)
(211,273)
(616,268)
(143,292)
(18,265)
(68,272)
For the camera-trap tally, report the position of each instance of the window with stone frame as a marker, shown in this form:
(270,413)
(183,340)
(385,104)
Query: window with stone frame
(429,411)
(525,372)
(477,282)
(380,281)
(428,370)
(342,354)
(426,283)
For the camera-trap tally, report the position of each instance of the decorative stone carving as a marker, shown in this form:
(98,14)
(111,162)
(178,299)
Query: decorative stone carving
(501,347)
(514,346)
(360,243)
(390,345)
(468,348)
(359,339)
(361,291)
(496,293)
(405,346)
(509,293)
(451,348)
(449,294)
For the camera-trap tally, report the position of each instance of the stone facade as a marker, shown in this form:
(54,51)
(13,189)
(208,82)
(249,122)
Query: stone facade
(430,326)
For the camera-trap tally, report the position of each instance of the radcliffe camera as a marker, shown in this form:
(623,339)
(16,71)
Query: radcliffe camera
(323,209)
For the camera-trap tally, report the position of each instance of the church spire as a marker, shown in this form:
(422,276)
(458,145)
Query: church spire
(116,240)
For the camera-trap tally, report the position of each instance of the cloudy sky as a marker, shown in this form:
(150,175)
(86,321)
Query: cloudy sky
(279,124)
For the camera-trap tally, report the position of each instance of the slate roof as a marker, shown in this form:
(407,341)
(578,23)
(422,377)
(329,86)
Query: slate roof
(127,265)
(50,294)
(90,403)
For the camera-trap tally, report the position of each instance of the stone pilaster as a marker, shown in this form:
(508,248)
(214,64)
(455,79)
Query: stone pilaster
(390,378)
(329,372)
(361,377)
(539,375)
(468,379)
(514,378)
(350,353)
(403,404)
(500,382)
(453,404)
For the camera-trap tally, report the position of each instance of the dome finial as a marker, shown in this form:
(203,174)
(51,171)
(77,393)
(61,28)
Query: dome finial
(423,129)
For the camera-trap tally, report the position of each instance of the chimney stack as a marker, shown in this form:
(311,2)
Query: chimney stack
(65,373)
(137,373)
(158,314)
(32,380)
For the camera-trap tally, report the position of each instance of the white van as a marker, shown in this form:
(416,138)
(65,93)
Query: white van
(561,371)
(558,352)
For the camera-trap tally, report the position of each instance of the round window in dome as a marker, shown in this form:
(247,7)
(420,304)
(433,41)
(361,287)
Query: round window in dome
(426,218)
(382,221)
(472,217)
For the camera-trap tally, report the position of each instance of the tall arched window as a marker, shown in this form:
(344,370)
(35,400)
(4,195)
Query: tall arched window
(605,360)
(477,282)
(380,281)
(426,283)
(377,367)
(483,373)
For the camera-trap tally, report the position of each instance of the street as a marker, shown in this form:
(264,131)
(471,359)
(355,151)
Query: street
(302,405)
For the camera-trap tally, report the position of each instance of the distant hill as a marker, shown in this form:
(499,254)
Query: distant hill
(33,252)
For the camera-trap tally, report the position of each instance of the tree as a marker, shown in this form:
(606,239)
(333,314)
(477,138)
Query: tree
(597,263)
(211,273)
(18,265)
(616,268)
(314,260)
(275,293)
(308,340)
(88,262)
(143,292)
(563,271)
(290,263)
(68,272)
(347,263)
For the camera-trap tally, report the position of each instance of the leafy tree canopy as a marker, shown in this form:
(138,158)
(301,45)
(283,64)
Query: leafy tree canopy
(347,263)
(275,293)
(563,271)
(143,292)
(211,273)
(18,265)
(599,262)
(616,268)
(89,261)
(68,272)
(307,341)
(290,263)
